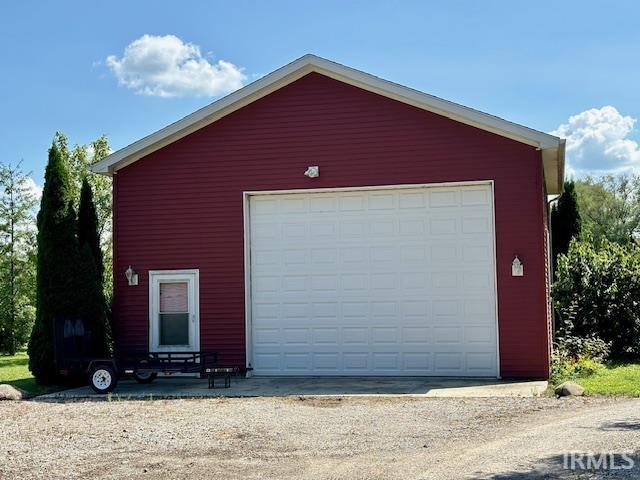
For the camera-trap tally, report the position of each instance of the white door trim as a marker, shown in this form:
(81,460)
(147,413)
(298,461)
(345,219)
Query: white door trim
(247,246)
(495,277)
(368,187)
(192,276)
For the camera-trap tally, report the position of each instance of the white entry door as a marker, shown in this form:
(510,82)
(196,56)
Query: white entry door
(174,324)
(374,282)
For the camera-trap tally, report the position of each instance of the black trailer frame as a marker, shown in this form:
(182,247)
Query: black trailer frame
(145,367)
(161,362)
(166,363)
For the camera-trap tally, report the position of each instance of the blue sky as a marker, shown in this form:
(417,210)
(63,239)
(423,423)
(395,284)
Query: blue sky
(65,65)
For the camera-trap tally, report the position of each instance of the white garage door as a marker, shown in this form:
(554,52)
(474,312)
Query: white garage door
(373,282)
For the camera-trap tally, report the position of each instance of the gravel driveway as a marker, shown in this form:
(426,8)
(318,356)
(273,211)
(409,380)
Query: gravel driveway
(354,438)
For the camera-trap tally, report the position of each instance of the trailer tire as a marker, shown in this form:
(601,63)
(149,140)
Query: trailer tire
(103,378)
(145,377)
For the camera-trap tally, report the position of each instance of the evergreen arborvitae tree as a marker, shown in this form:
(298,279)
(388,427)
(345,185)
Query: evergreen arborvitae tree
(565,222)
(92,305)
(57,264)
(78,160)
(88,227)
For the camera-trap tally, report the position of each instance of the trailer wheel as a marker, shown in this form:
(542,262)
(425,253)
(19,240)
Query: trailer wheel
(103,378)
(146,377)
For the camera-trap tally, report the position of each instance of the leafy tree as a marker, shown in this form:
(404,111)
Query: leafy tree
(17,248)
(610,208)
(57,264)
(565,221)
(597,292)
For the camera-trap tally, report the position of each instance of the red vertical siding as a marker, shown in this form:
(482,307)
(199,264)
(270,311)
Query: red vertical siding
(181,206)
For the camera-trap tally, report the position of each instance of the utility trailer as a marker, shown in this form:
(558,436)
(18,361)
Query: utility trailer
(73,344)
(103,373)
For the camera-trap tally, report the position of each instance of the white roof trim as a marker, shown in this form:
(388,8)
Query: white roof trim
(553,147)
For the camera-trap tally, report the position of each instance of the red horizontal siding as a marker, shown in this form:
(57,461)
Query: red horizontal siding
(181,206)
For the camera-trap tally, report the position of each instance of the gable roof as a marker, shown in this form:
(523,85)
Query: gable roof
(553,148)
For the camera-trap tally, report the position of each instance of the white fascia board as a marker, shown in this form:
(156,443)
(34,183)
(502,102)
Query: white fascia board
(435,104)
(297,69)
(201,117)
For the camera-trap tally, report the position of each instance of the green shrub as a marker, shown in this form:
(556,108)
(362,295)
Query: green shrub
(563,368)
(577,357)
(587,366)
(593,348)
(597,293)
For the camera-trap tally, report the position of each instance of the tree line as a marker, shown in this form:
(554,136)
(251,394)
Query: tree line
(595,227)
(24,222)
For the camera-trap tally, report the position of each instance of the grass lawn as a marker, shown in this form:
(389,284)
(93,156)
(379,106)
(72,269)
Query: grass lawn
(14,370)
(615,379)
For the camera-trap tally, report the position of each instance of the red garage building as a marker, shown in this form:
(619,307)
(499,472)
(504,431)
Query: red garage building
(323,221)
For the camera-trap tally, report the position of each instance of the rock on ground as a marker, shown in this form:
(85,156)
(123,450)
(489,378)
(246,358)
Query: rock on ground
(569,388)
(9,392)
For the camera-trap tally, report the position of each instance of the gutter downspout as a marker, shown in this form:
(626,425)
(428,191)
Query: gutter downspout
(549,257)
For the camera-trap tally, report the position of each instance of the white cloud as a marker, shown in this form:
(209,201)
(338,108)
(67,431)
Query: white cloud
(33,188)
(165,66)
(598,142)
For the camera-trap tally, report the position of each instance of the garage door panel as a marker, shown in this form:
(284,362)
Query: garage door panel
(475,334)
(476,255)
(328,362)
(352,202)
(296,361)
(444,197)
(355,335)
(480,363)
(476,196)
(385,361)
(412,226)
(443,252)
(268,361)
(296,336)
(417,334)
(395,282)
(354,283)
(450,363)
(356,362)
(449,334)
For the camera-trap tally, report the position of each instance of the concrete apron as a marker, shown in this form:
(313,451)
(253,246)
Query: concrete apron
(182,387)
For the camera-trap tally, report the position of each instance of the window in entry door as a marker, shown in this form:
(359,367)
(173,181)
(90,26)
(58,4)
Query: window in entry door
(174,313)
